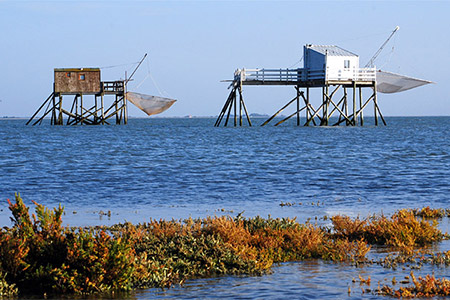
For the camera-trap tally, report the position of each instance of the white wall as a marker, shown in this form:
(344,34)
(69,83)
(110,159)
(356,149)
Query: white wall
(336,67)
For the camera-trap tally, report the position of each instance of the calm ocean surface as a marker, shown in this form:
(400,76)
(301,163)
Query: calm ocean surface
(176,168)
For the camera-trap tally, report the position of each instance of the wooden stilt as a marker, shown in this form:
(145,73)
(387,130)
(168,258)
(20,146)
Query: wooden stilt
(311,119)
(279,111)
(53,118)
(329,99)
(245,108)
(340,111)
(103,109)
(235,110)
(76,107)
(47,111)
(120,104)
(114,113)
(307,104)
(224,109)
(360,104)
(221,115)
(60,115)
(346,105)
(290,116)
(230,106)
(324,105)
(336,107)
(81,108)
(309,108)
(119,112)
(381,116)
(246,113)
(361,109)
(125,103)
(298,105)
(343,100)
(354,103)
(111,108)
(71,110)
(316,112)
(375,104)
(90,112)
(240,107)
(40,107)
(95,105)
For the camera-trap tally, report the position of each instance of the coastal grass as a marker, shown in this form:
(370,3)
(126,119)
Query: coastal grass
(402,230)
(422,287)
(40,256)
(431,213)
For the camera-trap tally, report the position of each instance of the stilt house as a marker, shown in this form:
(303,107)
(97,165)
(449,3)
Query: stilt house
(83,82)
(334,62)
(336,72)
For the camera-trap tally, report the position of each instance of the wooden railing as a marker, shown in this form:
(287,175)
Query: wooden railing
(302,75)
(113,86)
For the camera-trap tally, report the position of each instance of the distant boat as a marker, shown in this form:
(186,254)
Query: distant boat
(151,105)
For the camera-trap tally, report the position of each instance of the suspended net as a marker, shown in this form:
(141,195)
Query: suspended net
(388,82)
(151,105)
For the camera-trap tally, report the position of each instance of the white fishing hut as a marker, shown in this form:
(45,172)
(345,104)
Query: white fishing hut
(333,69)
(332,61)
(325,66)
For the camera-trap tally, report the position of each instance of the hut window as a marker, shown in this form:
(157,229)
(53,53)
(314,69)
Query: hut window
(82,77)
(346,64)
(68,74)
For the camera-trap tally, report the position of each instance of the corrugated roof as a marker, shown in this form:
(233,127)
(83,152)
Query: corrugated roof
(331,50)
(76,69)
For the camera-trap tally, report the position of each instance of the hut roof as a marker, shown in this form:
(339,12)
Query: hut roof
(330,50)
(76,69)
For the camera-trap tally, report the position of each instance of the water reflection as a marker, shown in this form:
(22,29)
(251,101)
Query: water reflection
(312,279)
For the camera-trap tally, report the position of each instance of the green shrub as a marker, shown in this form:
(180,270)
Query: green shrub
(42,257)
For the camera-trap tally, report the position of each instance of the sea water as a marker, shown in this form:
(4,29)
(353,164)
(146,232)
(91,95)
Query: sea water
(184,167)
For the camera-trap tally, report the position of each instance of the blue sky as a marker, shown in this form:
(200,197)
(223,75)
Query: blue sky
(192,45)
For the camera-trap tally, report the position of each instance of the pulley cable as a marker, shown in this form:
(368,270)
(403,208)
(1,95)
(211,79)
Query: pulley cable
(149,74)
(121,65)
(296,62)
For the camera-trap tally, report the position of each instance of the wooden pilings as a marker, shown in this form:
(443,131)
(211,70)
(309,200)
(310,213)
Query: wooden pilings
(354,104)
(80,112)
(331,108)
(229,104)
